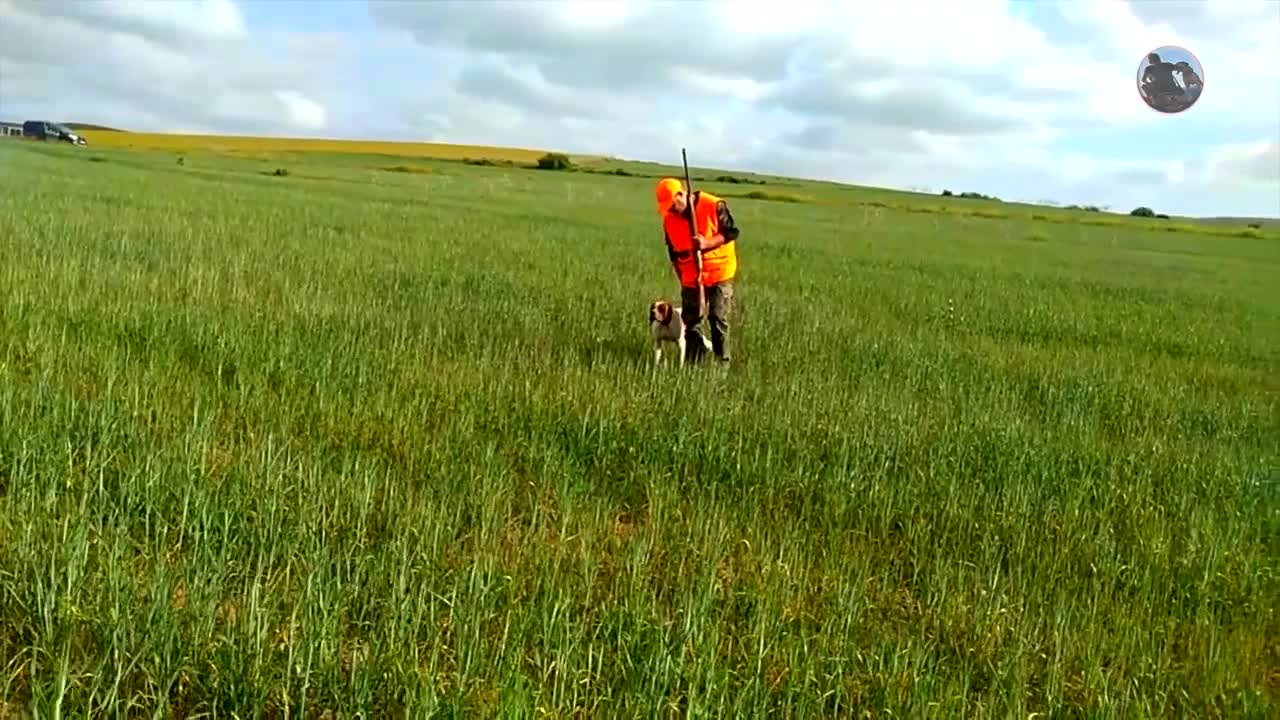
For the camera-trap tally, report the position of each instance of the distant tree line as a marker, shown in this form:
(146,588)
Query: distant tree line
(971,196)
(555,161)
(1136,212)
(1147,213)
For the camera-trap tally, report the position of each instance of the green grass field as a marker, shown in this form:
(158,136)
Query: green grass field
(360,441)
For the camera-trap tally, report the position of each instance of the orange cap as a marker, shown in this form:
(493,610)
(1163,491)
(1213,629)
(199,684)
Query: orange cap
(667,189)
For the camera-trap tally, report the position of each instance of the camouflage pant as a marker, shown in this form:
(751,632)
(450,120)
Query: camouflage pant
(719,307)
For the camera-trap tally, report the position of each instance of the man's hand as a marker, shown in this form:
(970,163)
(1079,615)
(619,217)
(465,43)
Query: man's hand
(703,243)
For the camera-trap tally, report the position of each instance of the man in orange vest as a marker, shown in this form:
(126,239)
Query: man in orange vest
(716,238)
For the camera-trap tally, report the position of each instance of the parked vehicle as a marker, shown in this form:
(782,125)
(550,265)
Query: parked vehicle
(44,130)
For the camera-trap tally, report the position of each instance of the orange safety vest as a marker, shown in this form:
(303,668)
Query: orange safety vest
(717,265)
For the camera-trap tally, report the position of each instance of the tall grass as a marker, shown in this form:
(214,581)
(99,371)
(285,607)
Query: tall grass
(351,441)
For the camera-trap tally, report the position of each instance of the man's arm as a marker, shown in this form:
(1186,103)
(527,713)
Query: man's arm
(672,255)
(728,228)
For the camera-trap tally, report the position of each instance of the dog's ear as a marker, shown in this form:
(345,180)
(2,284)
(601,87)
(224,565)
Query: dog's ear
(666,313)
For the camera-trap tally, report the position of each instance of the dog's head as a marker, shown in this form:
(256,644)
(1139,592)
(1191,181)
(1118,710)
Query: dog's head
(660,312)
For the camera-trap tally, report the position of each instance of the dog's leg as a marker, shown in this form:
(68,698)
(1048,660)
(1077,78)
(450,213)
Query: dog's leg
(657,353)
(681,343)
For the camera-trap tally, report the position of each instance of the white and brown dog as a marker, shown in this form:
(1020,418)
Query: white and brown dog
(666,325)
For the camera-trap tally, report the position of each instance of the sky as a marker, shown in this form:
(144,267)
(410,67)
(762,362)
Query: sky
(1029,101)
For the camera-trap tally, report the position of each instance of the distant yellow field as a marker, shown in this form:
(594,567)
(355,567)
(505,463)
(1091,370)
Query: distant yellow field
(234,143)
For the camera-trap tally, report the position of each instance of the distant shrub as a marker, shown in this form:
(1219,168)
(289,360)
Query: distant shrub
(406,169)
(1142,212)
(987,214)
(487,162)
(1037,237)
(774,196)
(1255,225)
(971,196)
(281,172)
(617,172)
(97,158)
(735,180)
(554,161)
(1162,216)
(978,196)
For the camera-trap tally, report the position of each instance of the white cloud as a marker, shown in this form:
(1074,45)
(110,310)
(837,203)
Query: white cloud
(589,15)
(1249,163)
(1235,43)
(153,66)
(302,111)
(1000,97)
(169,20)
